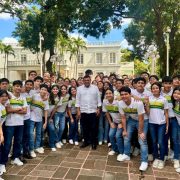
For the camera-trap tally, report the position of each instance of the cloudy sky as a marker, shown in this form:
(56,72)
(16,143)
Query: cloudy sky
(7,26)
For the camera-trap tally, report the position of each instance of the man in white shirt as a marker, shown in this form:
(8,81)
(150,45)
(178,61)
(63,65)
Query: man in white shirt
(88,103)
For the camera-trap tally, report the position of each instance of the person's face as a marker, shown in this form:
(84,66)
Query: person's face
(98,78)
(176,82)
(4,85)
(28,86)
(101,75)
(109,95)
(152,80)
(106,86)
(87,82)
(55,90)
(176,95)
(114,82)
(37,83)
(60,82)
(145,76)
(43,91)
(105,79)
(73,83)
(126,82)
(155,90)
(63,90)
(167,86)
(140,85)
(80,82)
(73,91)
(32,76)
(53,79)
(46,77)
(94,83)
(125,96)
(119,85)
(100,85)
(3,98)
(66,82)
(17,88)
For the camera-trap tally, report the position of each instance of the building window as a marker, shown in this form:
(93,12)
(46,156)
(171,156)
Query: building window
(23,58)
(80,59)
(112,58)
(98,58)
(80,74)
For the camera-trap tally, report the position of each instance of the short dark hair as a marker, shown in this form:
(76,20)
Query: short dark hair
(88,72)
(86,76)
(167,79)
(4,80)
(154,76)
(32,72)
(29,81)
(2,91)
(44,86)
(140,79)
(125,89)
(176,76)
(157,84)
(110,89)
(38,78)
(120,80)
(17,82)
(145,73)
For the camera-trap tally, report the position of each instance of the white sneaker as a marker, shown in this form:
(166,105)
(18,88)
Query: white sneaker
(119,157)
(111,153)
(1,178)
(105,141)
(150,157)
(155,163)
(76,143)
(33,154)
(58,145)
(124,157)
(39,150)
(143,166)
(161,164)
(64,141)
(176,163)
(53,149)
(136,152)
(17,162)
(178,170)
(109,144)
(100,143)
(42,149)
(2,169)
(165,158)
(71,141)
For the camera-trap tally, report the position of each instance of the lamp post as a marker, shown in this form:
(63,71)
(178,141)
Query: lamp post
(40,47)
(167,47)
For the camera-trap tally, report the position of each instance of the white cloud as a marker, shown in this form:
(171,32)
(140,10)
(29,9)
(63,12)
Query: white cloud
(10,41)
(126,21)
(5,16)
(125,45)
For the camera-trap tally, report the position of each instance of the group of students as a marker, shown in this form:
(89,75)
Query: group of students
(139,113)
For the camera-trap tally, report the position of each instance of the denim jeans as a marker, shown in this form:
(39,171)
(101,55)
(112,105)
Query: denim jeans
(103,128)
(26,136)
(73,129)
(59,122)
(116,139)
(158,137)
(173,135)
(10,132)
(38,125)
(131,126)
(179,139)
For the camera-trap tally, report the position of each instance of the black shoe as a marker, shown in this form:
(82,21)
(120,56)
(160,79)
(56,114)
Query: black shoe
(94,147)
(27,156)
(23,160)
(83,145)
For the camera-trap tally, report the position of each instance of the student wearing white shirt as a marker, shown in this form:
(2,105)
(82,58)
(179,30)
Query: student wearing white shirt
(88,105)
(132,114)
(158,123)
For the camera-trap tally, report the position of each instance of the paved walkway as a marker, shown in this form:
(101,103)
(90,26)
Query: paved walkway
(70,162)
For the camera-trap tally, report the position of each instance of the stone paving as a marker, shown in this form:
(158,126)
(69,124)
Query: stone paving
(74,163)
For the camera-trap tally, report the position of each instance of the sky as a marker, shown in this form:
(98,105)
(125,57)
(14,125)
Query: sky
(7,26)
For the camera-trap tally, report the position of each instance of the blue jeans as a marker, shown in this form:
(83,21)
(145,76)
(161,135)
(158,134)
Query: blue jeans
(10,132)
(158,137)
(179,139)
(34,145)
(173,135)
(26,136)
(59,122)
(131,126)
(103,128)
(116,139)
(53,139)
(73,129)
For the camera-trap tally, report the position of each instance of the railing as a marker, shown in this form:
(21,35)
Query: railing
(23,63)
(108,43)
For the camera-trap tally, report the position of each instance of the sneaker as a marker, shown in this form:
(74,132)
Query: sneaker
(150,157)
(2,169)
(105,141)
(71,141)
(109,144)
(58,145)
(124,157)
(165,158)
(100,143)
(111,153)
(53,149)
(176,163)
(143,166)
(17,162)
(64,141)
(178,170)
(76,143)
(1,178)
(119,157)
(171,154)
(39,150)
(155,163)
(32,154)
(42,149)
(136,151)
(161,164)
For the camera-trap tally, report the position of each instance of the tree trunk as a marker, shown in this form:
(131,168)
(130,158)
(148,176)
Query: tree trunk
(49,63)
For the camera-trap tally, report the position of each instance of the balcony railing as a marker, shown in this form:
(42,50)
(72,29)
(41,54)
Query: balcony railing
(23,63)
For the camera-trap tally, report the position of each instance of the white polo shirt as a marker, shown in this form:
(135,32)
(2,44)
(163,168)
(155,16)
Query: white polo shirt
(52,106)
(62,104)
(157,107)
(71,104)
(133,110)
(113,109)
